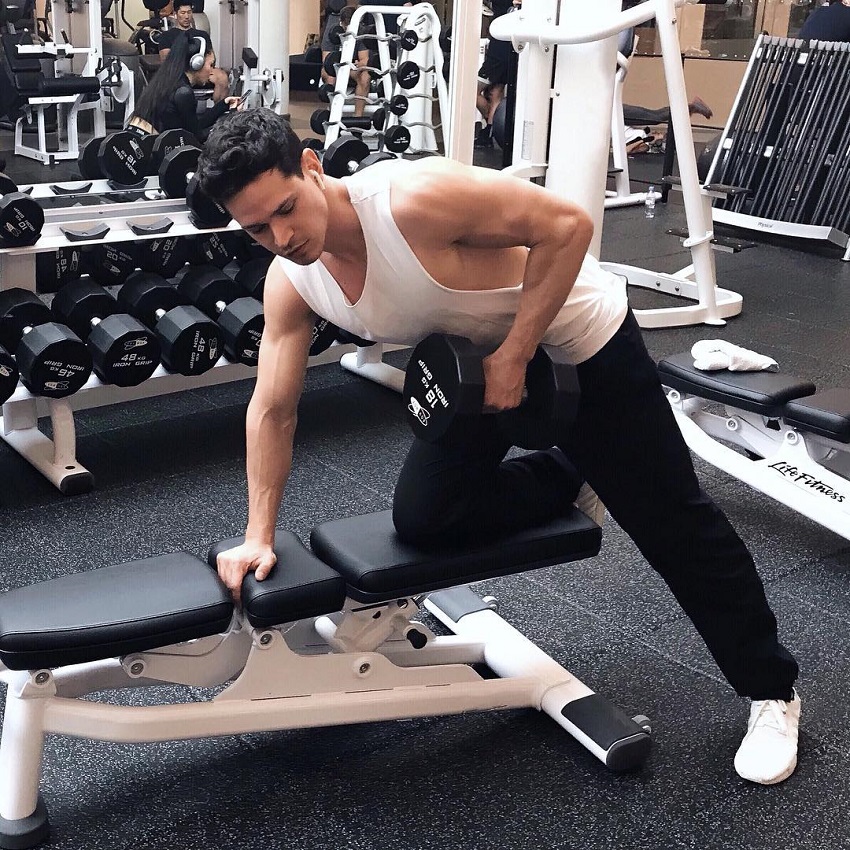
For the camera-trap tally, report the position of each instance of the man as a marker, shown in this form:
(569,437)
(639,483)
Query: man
(184,23)
(403,249)
(360,80)
(828,23)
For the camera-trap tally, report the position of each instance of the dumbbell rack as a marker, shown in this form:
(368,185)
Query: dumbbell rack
(56,458)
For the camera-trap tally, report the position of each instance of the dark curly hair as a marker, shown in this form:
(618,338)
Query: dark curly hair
(244,145)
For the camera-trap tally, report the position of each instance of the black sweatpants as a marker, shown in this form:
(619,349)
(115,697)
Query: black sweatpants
(626,444)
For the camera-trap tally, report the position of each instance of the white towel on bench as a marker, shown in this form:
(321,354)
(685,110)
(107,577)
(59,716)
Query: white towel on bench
(712,354)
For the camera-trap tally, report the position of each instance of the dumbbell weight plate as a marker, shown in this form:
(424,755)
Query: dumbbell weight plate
(165,255)
(325,92)
(122,158)
(203,210)
(376,157)
(408,40)
(318,120)
(21,220)
(335,34)
(8,375)
(88,161)
(399,104)
(125,352)
(444,382)
(7,185)
(53,269)
(379,118)
(343,156)
(110,265)
(252,276)
(168,141)
(176,168)
(315,144)
(208,248)
(324,336)
(333,59)
(53,361)
(397,138)
(407,75)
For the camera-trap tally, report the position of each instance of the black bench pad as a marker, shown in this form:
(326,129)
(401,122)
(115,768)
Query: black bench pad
(299,585)
(826,413)
(765,393)
(111,611)
(378,567)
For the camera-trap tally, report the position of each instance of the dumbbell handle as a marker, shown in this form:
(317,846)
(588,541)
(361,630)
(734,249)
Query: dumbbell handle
(159,313)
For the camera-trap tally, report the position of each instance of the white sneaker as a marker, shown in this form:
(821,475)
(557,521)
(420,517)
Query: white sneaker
(768,753)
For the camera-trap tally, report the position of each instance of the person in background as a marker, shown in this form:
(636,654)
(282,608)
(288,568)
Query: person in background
(168,101)
(828,23)
(359,79)
(493,74)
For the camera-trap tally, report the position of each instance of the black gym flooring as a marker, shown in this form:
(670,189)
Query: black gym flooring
(170,475)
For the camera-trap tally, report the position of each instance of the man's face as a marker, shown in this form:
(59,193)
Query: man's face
(286,215)
(183,16)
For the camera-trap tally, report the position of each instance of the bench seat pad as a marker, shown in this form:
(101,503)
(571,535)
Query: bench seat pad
(111,611)
(826,413)
(765,393)
(299,585)
(378,566)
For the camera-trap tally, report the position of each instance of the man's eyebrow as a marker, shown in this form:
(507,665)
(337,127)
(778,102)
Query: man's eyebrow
(278,209)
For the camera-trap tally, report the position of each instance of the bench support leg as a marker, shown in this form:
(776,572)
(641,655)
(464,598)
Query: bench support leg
(611,735)
(23,815)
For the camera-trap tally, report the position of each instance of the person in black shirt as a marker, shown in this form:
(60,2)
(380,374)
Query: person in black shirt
(168,102)
(828,23)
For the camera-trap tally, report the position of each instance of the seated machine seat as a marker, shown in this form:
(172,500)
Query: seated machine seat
(765,393)
(377,566)
(825,413)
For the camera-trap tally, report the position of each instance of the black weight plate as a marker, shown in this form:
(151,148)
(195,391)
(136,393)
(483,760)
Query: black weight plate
(7,185)
(333,59)
(53,269)
(318,119)
(397,139)
(122,159)
(444,380)
(399,104)
(88,162)
(53,361)
(325,92)
(407,75)
(177,166)
(21,220)
(203,210)
(242,327)
(209,248)
(324,336)
(191,343)
(335,34)
(165,255)
(314,144)
(110,265)
(8,375)
(343,156)
(168,141)
(379,118)
(408,40)
(373,158)
(124,351)
(252,276)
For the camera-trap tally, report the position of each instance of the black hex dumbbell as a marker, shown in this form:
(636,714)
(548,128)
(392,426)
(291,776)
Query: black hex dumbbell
(124,351)
(444,385)
(52,360)
(177,180)
(239,316)
(21,217)
(110,265)
(190,342)
(8,375)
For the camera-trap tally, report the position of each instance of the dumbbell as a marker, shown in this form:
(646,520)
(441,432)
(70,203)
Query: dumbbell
(177,179)
(52,360)
(239,316)
(122,157)
(251,278)
(164,255)
(110,265)
(53,269)
(344,156)
(409,73)
(444,386)
(124,351)
(8,375)
(21,217)
(168,141)
(191,343)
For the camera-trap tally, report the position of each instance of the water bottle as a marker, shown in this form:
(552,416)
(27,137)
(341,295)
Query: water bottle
(649,203)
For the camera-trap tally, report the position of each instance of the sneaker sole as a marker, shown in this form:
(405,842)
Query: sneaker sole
(777,779)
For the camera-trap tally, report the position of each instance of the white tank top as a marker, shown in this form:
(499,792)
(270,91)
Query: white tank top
(402,303)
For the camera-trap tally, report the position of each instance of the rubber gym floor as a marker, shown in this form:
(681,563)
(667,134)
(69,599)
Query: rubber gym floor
(170,475)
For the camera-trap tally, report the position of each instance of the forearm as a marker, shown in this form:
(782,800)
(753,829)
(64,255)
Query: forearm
(270,436)
(551,271)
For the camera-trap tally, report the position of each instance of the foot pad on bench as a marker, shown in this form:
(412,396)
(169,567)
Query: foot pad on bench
(26,832)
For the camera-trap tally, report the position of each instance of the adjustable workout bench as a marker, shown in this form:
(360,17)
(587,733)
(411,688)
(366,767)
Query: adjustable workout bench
(318,643)
(795,440)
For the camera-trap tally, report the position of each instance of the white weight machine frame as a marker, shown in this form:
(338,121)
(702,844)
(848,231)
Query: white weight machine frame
(534,34)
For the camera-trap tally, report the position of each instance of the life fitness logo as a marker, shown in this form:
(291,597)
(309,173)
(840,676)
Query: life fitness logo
(803,479)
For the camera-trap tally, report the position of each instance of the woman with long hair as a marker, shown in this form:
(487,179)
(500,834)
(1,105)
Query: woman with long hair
(168,101)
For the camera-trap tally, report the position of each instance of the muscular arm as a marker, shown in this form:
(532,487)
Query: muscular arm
(270,425)
(480,208)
